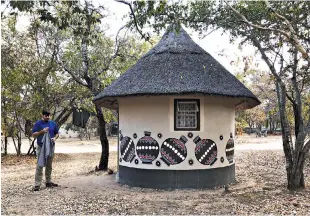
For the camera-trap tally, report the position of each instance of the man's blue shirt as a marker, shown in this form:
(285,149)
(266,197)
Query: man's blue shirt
(40,125)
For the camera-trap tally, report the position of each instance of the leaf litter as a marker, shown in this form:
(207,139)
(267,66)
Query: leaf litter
(260,188)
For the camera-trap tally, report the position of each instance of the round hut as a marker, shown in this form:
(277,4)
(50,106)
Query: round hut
(176,116)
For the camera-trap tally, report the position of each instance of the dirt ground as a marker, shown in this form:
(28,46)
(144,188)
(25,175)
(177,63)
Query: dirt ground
(260,188)
(71,145)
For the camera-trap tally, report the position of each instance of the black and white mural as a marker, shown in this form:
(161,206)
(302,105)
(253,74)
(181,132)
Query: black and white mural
(173,151)
(205,151)
(127,148)
(230,149)
(147,148)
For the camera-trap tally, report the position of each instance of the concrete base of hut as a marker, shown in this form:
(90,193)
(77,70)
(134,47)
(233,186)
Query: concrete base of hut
(175,179)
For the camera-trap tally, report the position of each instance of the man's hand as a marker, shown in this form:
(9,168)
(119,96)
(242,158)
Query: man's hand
(36,134)
(55,137)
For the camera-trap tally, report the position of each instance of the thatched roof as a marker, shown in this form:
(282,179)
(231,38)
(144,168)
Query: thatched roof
(177,66)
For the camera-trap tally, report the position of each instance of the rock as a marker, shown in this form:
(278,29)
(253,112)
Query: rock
(110,171)
(296,204)
(267,188)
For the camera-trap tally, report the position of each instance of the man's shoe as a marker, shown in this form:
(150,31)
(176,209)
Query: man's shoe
(36,188)
(51,184)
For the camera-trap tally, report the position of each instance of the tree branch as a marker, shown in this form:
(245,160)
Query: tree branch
(306,147)
(290,98)
(281,92)
(6,7)
(307,129)
(264,56)
(76,79)
(147,38)
(64,114)
(266,94)
(116,52)
(244,19)
(294,38)
(291,35)
(84,52)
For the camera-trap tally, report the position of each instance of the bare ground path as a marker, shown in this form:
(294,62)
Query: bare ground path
(260,189)
(72,145)
(75,145)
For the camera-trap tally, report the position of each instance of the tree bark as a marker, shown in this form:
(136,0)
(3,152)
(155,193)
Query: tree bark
(32,149)
(63,118)
(296,179)
(18,146)
(104,159)
(5,132)
(5,145)
(295,157)
(19,139)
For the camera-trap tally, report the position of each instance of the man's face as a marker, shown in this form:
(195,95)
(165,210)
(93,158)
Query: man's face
(46,117)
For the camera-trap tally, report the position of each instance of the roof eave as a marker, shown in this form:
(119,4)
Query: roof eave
(247,103)
(111,102)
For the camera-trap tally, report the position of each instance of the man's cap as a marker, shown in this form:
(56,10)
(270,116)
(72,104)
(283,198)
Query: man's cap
(45,112)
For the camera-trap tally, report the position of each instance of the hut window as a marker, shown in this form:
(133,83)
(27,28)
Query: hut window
(186,114)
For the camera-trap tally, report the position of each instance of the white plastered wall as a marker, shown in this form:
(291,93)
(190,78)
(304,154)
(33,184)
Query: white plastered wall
(156,114)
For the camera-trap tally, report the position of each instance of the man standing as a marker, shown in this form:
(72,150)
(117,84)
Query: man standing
(40,128)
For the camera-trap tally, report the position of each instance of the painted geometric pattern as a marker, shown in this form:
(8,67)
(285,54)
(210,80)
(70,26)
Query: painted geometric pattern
(205,151)
(127,148)
(173,151)
(230,150)
(147,149)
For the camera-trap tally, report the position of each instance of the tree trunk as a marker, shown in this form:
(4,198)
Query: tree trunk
(296,179)
(64,115)
(19,139)
(5,145)
(274,125)
(5,132)
(294,154)
(28,128)
(295,158)
(271,126)
(286,132)
(14,142)
(32,148)
(104,159)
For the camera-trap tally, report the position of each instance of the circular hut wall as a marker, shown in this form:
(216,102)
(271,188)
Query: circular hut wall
(153,154)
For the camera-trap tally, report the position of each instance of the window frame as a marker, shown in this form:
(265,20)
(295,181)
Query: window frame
(197,114)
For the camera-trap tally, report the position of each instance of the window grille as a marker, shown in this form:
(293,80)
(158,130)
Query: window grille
(187,114)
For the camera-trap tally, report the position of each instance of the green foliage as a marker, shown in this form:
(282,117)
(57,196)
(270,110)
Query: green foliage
(33,72)
(30,78)
(91,58)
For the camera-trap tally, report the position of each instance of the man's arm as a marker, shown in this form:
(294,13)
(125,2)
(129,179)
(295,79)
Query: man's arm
(36,134)
(56,133)
(55,137)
